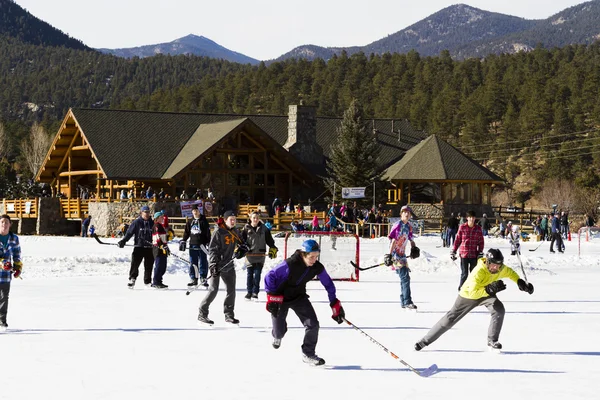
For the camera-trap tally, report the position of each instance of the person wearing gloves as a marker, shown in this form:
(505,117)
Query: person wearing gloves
(257,237)
(160,250)
(286,289)
(469,243)
(514,236)
(400,234)
(225,246)
(11,265)
(480,289)
(197,231)
(141,230)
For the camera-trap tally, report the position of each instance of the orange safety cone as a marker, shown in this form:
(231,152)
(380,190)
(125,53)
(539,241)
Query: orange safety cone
(569,236)
(587,239)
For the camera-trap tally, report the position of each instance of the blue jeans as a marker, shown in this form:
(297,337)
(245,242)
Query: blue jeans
(404,274)
(197,255)
(160,267)
(253,279)
(451,236)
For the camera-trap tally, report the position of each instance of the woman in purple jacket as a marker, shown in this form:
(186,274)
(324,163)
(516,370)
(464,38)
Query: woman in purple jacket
(286,289)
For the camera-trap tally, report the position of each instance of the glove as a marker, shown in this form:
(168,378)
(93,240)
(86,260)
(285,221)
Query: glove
(453,255)
(524,286)
(18,267)
(495,287)
(241,251)
(170,235)
(338,311)
(182,246)
(214,271)
(121,243)
(387,260)
(274,303)
(415,252)
(165,249)
(479,255)
(272,252)
(6,265)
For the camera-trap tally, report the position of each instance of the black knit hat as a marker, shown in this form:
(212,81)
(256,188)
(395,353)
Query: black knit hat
(228,214)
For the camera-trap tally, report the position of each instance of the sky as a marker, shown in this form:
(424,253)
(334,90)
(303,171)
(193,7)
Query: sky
(261,29)
(77,332)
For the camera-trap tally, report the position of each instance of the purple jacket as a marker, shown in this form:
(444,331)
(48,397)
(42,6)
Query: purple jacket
(289,279)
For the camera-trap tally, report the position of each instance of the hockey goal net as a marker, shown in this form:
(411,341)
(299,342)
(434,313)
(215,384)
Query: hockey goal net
(587,235)
(338,249)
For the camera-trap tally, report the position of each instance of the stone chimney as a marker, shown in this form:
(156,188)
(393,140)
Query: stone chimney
(302,134)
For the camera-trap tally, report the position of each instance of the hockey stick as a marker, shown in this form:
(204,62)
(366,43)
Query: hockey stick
(106,243)
(209,277)
(423,373)
(366,268)
(538,246)
(521,264)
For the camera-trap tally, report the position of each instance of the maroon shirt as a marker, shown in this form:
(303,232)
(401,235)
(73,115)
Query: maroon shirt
(470,241)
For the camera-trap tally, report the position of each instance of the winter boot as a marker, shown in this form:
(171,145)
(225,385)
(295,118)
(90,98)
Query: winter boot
(193,282)
(254,297)
(204,320)
(494,345)
(160,286)
(204,282)
(131,283)
(276,343)
(248,296)
(313,360)
(411,307)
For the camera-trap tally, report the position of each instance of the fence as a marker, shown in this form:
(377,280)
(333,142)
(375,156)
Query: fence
(21,208)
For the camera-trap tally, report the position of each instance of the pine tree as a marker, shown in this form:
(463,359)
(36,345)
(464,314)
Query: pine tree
(353,159)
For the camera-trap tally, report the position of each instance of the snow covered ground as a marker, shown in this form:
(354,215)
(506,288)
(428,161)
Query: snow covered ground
(77,332)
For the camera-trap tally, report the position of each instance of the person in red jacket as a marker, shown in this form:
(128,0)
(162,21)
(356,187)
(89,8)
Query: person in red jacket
(469,243)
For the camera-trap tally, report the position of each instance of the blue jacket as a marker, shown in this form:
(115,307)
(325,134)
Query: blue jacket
(289,279)
(11,252)
(142,230)
(555,225)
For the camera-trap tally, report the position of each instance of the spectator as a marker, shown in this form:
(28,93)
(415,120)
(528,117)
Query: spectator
(161,194)
(198,195)
(485,225)
(210,196)
(184,195)
(123,195)
(564,224)
(130,194)
(555,226)
(315,224)
(150,193)
(85,225)
(452,225)
(160,250)
(469,242)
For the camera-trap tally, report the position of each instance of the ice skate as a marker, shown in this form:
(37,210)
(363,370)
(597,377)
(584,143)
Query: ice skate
(313,360)
(494,347)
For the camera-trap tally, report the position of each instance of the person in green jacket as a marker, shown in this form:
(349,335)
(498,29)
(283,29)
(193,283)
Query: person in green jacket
(480,289)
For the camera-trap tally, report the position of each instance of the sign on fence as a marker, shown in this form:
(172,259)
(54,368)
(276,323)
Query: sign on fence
(186,207)
(27,207)
(10,207)
(353,193)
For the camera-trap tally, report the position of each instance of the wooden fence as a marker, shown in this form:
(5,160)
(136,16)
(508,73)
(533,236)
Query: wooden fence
(21,208)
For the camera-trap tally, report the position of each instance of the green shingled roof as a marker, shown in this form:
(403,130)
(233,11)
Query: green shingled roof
(434,159)
(147,145)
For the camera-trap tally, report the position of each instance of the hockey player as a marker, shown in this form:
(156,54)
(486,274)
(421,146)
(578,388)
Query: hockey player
(514,237)
(480,289)
(160,250)
(10,263)
(141,230)
(286,289)
(221,253)
(470,241)
(400,234)
(257,237)
(198,232)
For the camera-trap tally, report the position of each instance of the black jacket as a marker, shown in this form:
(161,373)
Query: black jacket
(142,230)
(198,231)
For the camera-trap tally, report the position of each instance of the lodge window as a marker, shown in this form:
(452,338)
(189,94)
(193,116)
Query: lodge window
(425,193)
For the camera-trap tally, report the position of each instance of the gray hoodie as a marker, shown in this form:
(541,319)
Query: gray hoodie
(221,248)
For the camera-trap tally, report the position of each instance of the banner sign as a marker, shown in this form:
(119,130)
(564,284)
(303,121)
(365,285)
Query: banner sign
(353,193)
(186,207)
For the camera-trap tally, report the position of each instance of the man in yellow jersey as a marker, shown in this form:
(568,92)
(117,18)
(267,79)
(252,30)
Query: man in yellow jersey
(480,289)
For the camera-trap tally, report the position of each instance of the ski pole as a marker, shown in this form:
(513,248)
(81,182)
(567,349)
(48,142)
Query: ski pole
(423,373)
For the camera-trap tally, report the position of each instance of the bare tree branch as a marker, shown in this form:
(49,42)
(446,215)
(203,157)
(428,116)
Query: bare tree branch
(35,147)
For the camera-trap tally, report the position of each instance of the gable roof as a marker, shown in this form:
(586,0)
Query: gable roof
(434,159)
(125,141)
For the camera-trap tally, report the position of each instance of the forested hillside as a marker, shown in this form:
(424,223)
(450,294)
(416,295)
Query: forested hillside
(542,106)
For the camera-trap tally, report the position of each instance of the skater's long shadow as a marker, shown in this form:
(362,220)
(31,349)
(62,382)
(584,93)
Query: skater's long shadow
(493,370)
(523,312)
(543,353)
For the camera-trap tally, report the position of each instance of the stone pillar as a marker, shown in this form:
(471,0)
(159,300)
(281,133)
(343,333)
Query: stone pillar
(302,135)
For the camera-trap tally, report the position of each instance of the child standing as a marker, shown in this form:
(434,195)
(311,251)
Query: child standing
(400,234)
(10,259)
